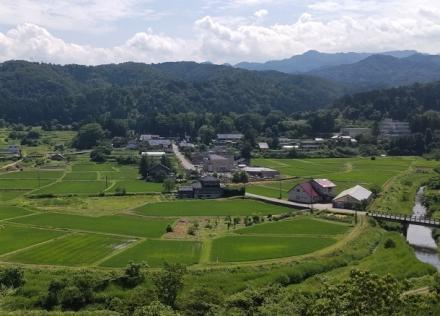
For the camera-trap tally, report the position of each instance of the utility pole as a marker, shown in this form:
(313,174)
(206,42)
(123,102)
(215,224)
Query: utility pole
(281,195)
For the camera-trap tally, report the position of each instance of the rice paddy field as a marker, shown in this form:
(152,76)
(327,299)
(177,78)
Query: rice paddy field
(234,207)
(67,215)
(344,172)
(113,241)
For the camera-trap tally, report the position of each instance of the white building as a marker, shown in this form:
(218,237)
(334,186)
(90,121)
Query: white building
(352,198)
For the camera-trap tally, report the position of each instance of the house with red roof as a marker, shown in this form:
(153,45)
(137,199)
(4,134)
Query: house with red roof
(304,193)
(313,191)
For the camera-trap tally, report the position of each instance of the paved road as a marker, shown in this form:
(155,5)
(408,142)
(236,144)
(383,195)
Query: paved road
(186,164)
(328,207)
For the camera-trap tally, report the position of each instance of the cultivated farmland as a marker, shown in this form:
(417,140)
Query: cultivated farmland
(120,225)
(73,250)
(156,252)
(13,238)
(251,248)
(300,226)
(234,207)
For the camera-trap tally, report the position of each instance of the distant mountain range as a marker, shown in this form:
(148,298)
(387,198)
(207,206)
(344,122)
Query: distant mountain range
(360,71)
(313,60)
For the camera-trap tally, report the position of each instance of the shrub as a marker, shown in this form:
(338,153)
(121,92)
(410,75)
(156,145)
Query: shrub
(390,244)
(12,278)
(169,228)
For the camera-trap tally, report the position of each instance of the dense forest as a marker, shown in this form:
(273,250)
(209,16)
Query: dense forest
(33,93)
(402,103)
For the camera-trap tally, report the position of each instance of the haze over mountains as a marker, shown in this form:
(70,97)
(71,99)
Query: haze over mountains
(359,71)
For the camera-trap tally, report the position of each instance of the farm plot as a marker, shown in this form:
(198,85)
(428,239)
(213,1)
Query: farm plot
(7,195)
(73,250)
(74,187)
(14,238)
(120,225)
(304,225)
(23,184)
(32,174)
(156,252)
(234,207)
(138,186)
(12,211)
(89,176)
(345,172)
(252,248)
(88,166)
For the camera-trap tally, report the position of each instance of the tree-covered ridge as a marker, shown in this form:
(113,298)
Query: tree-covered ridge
(32,93)
(402,103)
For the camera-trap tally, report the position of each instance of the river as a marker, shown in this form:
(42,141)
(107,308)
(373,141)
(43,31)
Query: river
(420,237)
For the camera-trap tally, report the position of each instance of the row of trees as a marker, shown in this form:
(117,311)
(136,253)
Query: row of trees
(362,293)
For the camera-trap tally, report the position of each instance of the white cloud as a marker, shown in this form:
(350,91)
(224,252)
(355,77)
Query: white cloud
(34,43)
(328,25)
(261,13)
(76,15)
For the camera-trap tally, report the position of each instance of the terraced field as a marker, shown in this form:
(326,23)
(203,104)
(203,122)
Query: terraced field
(12,211)
(252,248)
(285,238)
(302,225)
(156,252)
(233,207)
(13,238)
(345,172)
(119,225)
(72,250)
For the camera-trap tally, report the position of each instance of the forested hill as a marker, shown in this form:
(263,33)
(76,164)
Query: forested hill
(381,71)
(399,103)
(33,93)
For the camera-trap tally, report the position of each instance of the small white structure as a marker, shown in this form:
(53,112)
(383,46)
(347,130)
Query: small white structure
(263,146)
(352,198)
(154,153)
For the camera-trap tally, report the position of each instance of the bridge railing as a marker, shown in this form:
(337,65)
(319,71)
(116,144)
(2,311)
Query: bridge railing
(404,218)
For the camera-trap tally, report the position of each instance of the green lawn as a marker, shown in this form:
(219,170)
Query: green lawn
(234,207)
(74,187)
(12,211)
(156,252)
(121,225)
(252,248)
(14,238)
(302,225)
(74,250)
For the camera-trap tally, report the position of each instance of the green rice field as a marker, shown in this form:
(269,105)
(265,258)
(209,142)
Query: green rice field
(119,225)
(12,211)
(13,238)
(303,225)
(344,172)
(251,248)
(72,250)
(233,207)
(156,252)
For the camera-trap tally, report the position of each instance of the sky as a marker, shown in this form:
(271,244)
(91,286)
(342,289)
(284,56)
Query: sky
(220,31)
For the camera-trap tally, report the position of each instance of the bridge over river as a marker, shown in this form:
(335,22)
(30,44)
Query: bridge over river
(406,220)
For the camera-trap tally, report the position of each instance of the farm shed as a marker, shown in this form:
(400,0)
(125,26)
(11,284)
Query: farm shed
(352,198)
